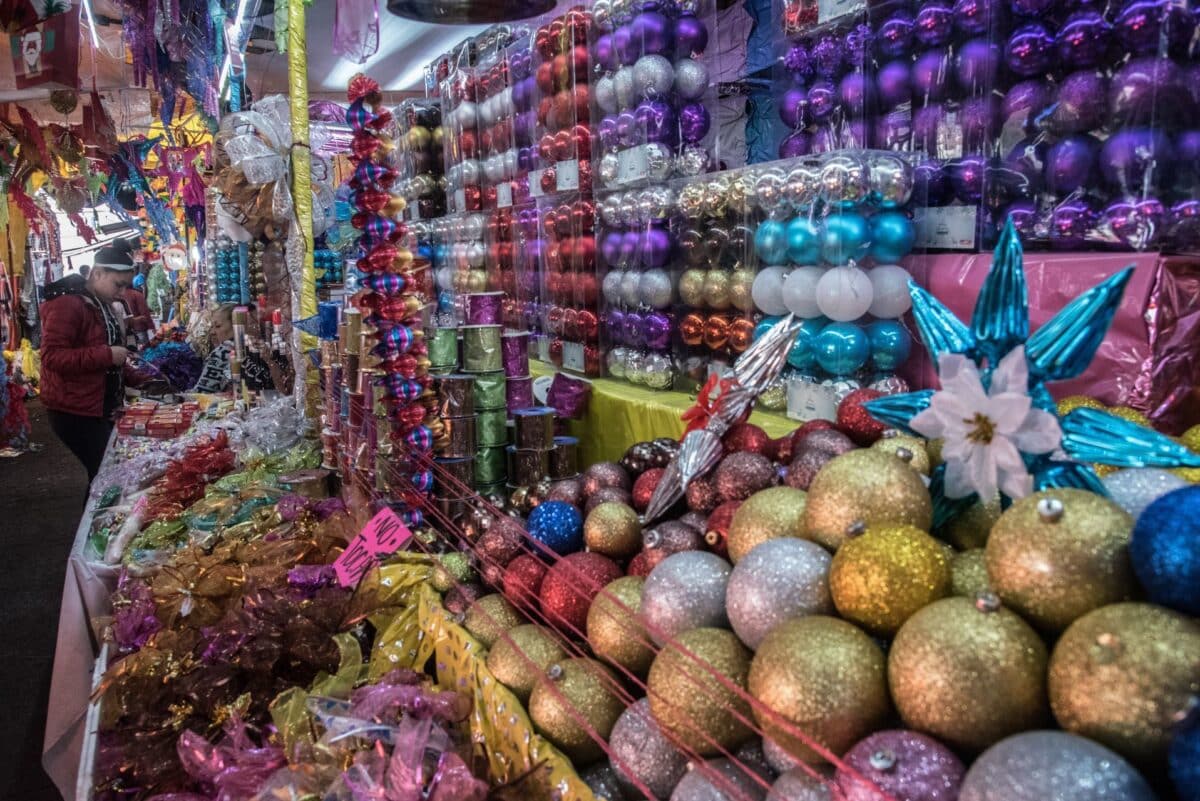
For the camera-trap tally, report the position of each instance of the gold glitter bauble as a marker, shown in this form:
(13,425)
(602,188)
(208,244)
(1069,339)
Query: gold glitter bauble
(689,702)
(825,677)
(489,617)
(1130,414)
(972,528)
(476,280)
(766,515)
(613,529)
(1124,675)
(968,573)
(520,657)
(864,488)
(716,289)
(934,448)
(969,672)
(614,630)
(452,568)
(910,449)
(1191,438)
(1059,554)
(739,290)
(1073,402)
(1191,441)
(691,287)
(879,580)
(571,689)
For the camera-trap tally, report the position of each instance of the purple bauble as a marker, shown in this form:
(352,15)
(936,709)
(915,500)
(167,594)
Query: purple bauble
(797,143)
(694,122)
(925,124)
(625,47)
(793,107)
(903,764)
(828,56)
(967,177)
(1084,39)
(894,37)
(691,35)
(656,121)
(931,184)
(607,132)
(1142,26)
(1135,159)
(526,159)
(1031,8)
(931,76)
(634,330)
(610,248)
(1070,223)
(656,330)
(1187,150)
(855,134)
(614,323)
(1136,224)
(978,17)
(976,66)
(522,98)
(934,24)
(1079,107)
(893,83)
(1029,50)
(604,52)
(1025,101)
(856,93)
(979,118)
(631,244)
(1185,224)
(627,129)
(655,33)
(858,42)
(798,62)
(822,100)
(1150,91)
(893,130)
(1071,164)
(1024,216)
(520,64)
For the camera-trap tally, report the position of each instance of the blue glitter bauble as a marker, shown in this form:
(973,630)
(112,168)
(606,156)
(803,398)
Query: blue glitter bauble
(558,525)
(1166,550)
(1184,762)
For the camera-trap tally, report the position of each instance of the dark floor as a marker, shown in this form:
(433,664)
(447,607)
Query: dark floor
(41,498)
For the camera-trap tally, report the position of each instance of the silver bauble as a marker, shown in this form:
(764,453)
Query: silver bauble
(493,168)
(653,76)
(471,173)
(602,15)
(623,10)
(692,161)
(1135,488)
(796,785)
(658,161)
(768,191)
(487,112)
(655,288)
(734,784)
(641,751)
(610,287)
(844,180)
(659,372)
(685,591)
(691,79)
(631,288)
(511,163)
(655,203)
(466,116)
(605,90)
(841,387)
(779,579)
(890,179)
(802,185)
(628,209)
(626,92)
(609,169)
(889,384)
(616,362)
(610,210)
(635,367)
(476,254)
(691,201)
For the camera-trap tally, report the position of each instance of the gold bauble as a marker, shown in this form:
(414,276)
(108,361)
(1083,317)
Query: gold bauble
(766,515)
(1124,675)
(692,704)
(691,287)
(864,488)
(879,580)
(1073,402)
(451,568)
(968,573)
(739,290)
(972,528)
(520,657)
(477,280)
(969,672)
(716,289)
(910,449)
(614,630)
(825,677)
(1058,554)
(613,529)
(418,138)
(489,617)
(934,448)
(1191,438)
(572,689)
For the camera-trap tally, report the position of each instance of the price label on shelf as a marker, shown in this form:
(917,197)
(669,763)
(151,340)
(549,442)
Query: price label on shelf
(503,195)
(631,165)
(535,184)
(573,357)
(415,208)
(808,400)
(460,200)
(543,349)
(567,175)
(832,9)
(945,227)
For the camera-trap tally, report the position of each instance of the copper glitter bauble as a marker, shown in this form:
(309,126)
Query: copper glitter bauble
(696,521)
(690,703)
(613,529)
(673,536)
(1125,675)
(972,528)
(641,751)
(740,475)
(804,468)
(716,527)
(855,421)
(643,487)
(489,617)
(702,495)
(607,495)
(765,515)
(825,677)
(1058,554)
(614,630)
(569,587)
(604,474)
(864,488)
(909,449)
(969,672)
(569,490)
(572,689)
(879,580)
(523,581)
(746,437)
(646,561)
(968,573)
(521,655)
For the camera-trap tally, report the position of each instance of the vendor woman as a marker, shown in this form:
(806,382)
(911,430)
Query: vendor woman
(258,373)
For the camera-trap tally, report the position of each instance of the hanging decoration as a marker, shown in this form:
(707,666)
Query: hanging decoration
(356,29)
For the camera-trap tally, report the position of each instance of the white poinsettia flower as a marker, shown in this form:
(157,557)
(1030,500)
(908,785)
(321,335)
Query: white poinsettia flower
(985,432)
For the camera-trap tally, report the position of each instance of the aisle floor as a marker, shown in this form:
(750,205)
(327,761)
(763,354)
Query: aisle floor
(41,498)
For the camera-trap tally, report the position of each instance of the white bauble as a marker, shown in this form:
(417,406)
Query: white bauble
(844,294)
(800,291)
(767,291)
(889,284)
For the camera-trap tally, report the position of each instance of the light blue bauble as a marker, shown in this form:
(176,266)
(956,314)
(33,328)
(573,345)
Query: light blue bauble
(892,237)
(771,242)
(803,242)
(803,355)
(1165,550)
(845,236)
(842,348)
(890,344)
(765,325)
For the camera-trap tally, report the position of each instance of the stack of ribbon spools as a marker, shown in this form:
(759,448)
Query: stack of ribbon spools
(482,359)
(529,456)
(455,447)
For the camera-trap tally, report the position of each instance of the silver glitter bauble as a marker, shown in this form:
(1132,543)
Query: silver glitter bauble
(624,84)
(487,112)
(797,785)
(691,201)
(1136,488)
(629,209)
(691,79)
(471,174)
(610,287)
(844,181)
(716,196)
(889,384)
(609,169)
(466,116)
(511,161)
(685,591)
(778,757)
(616,362)
(768,191)
(493,168)
(635,367)
(734,784)
(655,203)
(655,288)
(476,254)
(802,185)
(692,161)
(610,210)
(631,288)
(890,179)
(641,751)
(779,579)
(1044,765)
(653,76)
(622,11)
(602,780)
(445,277)
(658,161)
(605,90)
(659,372)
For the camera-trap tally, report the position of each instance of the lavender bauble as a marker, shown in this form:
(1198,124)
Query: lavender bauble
(979,118)
(797,143)
(931,184)
(1023,167)
(793,106)
(1143,27)
(822,100)
(691,35)
(1136,223)
(1025,101)
(829,54)
(778,579)
(642,754)
(967,178)
(856,93)
(694,122)
(978,17)
(904,764)
(653,32)
(683,592)
(1070,223)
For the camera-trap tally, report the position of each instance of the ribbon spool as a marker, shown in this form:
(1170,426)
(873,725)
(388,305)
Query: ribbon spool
(519,393)
(491,427)
(327,320)
(535,428)
(515,348)
(564,458)
(353,323)
(456,395)
(443,348)
(492,490)
(329,448)
(484,308)
(490,391)
(459,436)
(459,469)
(527,468)
(490,464)
(481,349)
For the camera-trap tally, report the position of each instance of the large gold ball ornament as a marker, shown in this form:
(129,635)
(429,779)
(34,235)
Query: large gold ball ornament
(521,656)
(1125,675)
(968,573)
(766,515)
(972,528)
(1059,554)
(1073,402)
(691,287)
(613,529)
(825,677)
(969,672)
(739,290)
(863,489)
(909,449)
(477,280)
(716,289)
(1191,438)
(573,689)
(614,630)
(489,617)
(879,580)
(1130,414)
(934,448)
(689,702)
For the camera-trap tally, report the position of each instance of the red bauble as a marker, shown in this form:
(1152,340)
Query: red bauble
(564,109)
(740,475)
(579,63)
(587,289)
(583,213)
(747,437)
(643,488)
(716,528)
(562,145)
(543,42)
(702,495)
(523,581)
(591,359)
(545,77)
(589,326)
(856,421)
(556,29)
(562,70)
(545,106)
(582,97)
(644,562)
(468,144)
(571,584)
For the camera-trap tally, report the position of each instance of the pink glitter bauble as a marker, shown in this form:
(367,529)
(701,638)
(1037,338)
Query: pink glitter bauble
(672,536)
(568,489)
(523,580)
(644,562)
(502,542)
(604,474)
(606,494)
(643,488)
(702,495)
(740,475)
(905,765)
(804,468)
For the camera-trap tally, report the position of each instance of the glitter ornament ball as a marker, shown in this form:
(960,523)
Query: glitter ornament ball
(1125,675)
(1165,549)
(825,677)
(767,514)
(692,704)
(1043,765)
(614,630)
(672,536)
(855,421)
(644,486)
(523,654)
(778,580)
(641,751)
(602,780)
(908,449)
(945,655)
(864,488)
(557,526)
(613,529)
(701,785)
(572,689)
(569,587)
(489,617)
(968,573)
(522,580)
(905,764)
(1058,554)
(502,542)
(604,474)
(685,591)
(740,475)
(797,785)
(607,495)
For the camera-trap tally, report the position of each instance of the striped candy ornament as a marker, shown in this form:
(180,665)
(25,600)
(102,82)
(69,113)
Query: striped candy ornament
(358,116)
(380,229)
(368,174)
(384,283)
(402,388)
(423,480)
(420,439)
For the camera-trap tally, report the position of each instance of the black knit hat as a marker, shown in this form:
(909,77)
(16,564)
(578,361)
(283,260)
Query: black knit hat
(114,257)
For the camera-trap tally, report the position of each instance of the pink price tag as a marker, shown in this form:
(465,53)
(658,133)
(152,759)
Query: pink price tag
(382,536)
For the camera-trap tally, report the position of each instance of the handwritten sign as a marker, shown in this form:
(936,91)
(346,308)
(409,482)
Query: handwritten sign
(381,537)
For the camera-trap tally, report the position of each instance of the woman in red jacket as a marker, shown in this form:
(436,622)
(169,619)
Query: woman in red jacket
(83,355)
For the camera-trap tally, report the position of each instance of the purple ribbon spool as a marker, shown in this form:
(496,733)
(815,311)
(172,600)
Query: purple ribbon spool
(514,350)
(519,393)
(483,308)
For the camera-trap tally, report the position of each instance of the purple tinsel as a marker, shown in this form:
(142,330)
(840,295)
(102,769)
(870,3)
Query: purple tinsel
(177,362)
(134,621)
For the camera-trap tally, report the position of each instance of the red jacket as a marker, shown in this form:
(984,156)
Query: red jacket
(75,356)
(139,311)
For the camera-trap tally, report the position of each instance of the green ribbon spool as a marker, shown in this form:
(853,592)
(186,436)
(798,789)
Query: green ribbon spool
(481,348)
(489,466)
(491,427)
(490,391)
(443,348)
